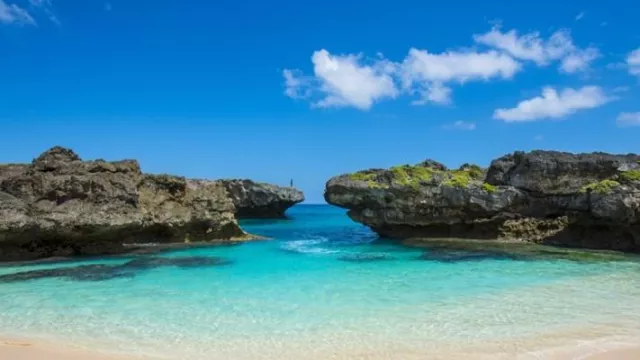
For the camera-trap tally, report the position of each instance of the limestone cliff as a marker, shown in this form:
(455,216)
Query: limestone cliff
(260,200)
(60,205)
(578,200)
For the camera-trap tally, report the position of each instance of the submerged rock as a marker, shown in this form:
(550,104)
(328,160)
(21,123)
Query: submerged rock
(364,257)
(102,272)
(60,205)
(577,200)
(260,200)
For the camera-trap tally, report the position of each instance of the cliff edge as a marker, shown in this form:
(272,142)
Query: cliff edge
(556,198)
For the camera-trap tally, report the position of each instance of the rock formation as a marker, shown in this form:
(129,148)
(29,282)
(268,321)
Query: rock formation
(574,200)
(62,206)
(259,200)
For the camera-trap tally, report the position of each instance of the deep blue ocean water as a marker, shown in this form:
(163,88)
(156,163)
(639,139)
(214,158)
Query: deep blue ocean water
(323,287)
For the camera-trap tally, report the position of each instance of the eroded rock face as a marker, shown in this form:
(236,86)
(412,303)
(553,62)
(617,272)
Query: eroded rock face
(259,200)
(62,206)
(580,200)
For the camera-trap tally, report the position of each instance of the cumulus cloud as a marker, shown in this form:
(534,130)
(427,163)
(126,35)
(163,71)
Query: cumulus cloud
(345,80)
(553,104)
(633,62)
(421,65)
(460,125)
(532,47)
(342,80)
(351,80)
(627,119)
(13,14)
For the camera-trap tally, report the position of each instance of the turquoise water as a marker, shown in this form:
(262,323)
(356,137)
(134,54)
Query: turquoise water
(324,287)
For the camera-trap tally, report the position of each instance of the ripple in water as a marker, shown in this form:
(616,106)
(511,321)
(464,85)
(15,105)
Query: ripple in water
(324,289)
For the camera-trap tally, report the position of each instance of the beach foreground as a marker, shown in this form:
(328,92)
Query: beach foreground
(26,350)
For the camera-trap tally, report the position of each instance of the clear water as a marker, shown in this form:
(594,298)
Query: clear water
(324,288)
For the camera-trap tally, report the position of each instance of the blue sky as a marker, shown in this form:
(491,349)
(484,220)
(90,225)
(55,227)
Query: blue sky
(307,90)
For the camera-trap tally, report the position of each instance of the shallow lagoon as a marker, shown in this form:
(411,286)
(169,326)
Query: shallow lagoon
(326,287)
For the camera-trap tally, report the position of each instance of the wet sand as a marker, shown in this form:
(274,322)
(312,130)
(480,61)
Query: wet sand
(25,350)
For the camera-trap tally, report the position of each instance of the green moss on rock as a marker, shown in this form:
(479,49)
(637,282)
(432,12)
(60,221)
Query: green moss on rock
(601,187)
(630,175)
(362,176)
(489,188)
(411,175)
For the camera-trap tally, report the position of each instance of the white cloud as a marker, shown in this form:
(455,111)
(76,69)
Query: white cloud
(579,60)
(525,47)
(421,65)
(353,81)
(296,85)
(460,125)
(427,73)
(435,92)
(628,119)
(347,83)
(554,104)
(633,62)
(580,16)
(13,14)
(342,80)
(532,47)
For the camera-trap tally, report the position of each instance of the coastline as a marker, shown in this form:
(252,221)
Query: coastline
(26,349)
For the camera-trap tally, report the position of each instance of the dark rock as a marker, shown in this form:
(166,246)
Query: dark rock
(259,200)
(578,200)
(62,206)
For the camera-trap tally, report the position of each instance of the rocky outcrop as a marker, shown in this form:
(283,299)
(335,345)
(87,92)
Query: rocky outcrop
(576,200)
(60,205)
(260,200)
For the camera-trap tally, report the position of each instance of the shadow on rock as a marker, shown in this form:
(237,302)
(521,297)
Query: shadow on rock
(101,272)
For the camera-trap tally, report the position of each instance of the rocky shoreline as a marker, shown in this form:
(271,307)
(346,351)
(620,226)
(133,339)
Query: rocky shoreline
(547,197)
(60,205)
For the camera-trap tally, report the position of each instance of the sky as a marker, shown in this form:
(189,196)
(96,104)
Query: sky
(279,90)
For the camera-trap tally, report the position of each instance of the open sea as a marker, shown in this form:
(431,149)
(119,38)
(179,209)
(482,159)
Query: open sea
(324,288)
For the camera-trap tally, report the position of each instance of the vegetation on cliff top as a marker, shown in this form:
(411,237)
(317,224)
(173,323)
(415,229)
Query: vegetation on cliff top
(414,175)
(463,176)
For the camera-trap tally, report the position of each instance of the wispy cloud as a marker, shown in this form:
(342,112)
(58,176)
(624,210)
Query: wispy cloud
(633,62)
(538,138)
(107,6)
(627,119)
(580,16)
(13,14)
(532,47)
(47,7)
(554,105)
(460,125)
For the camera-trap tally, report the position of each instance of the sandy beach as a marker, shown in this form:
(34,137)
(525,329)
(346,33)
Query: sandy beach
(26,350)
